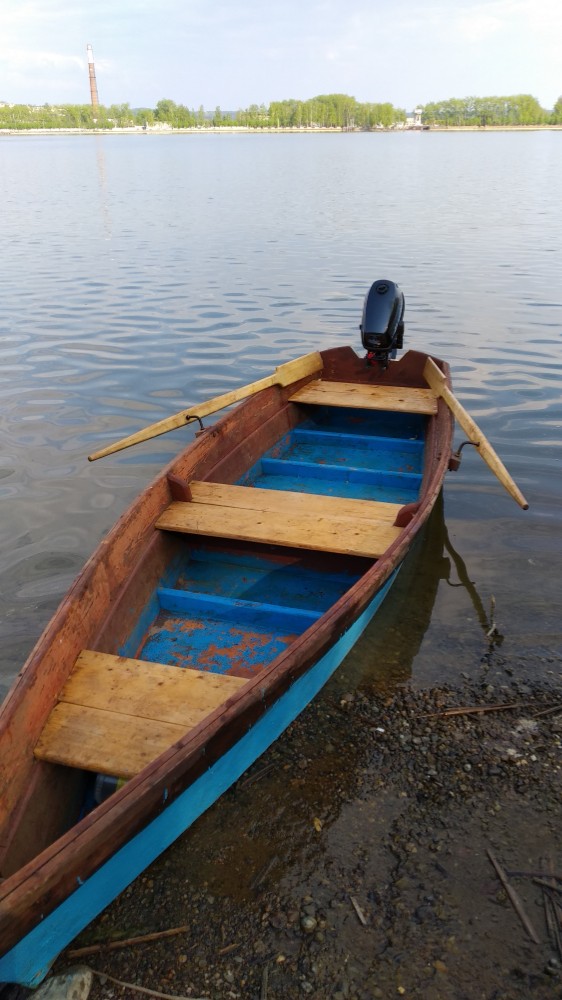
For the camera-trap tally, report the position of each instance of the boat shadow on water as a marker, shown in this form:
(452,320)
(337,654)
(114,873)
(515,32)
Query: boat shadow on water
(385,655)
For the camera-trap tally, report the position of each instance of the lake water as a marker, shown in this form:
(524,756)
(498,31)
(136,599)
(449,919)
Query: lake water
(142,273)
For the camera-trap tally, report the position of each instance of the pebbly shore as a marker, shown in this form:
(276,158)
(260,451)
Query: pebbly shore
(355,860)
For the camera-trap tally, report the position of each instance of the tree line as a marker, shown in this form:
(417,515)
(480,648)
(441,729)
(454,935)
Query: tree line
(521,109)
(325,111)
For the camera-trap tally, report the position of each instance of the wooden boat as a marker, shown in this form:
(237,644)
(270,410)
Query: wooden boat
(214,611)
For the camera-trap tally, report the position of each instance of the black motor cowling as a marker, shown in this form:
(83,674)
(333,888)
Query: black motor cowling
(382,327)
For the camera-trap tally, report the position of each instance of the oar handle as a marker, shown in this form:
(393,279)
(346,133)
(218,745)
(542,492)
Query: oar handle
(437,381)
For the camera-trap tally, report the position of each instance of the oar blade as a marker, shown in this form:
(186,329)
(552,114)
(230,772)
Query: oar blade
(438,383)
(154,430)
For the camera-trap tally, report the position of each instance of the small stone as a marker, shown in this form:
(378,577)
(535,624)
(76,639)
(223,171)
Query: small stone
(308,924)
(403,883)
(552,967)
(74,984)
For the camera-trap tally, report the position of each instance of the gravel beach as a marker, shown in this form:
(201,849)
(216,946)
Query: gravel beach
(355,860)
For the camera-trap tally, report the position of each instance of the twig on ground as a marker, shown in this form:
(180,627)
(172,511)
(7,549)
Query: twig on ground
(548,884)
(229,948)
(492,631)
(263,873)
(93,949)
(358,910)
(554,922)
(256,776)
(513,898)
(548,711)
(512,873)
(264,982)
(476,709)
(143,989)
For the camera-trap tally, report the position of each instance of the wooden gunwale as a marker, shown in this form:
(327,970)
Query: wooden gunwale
(47,880)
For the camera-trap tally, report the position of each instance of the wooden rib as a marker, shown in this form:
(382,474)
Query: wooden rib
(251,498)
(367,397)
(302,531)
(151,704)
(105,742)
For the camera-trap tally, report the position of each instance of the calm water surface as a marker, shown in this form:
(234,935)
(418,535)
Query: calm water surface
(142,273)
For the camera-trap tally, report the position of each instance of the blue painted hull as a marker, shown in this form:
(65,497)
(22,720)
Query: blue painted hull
(256,621)
(29,961)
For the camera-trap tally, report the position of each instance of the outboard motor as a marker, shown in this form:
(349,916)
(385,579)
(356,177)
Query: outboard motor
(382,328)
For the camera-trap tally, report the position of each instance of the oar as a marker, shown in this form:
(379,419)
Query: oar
(437,381)
(285,374)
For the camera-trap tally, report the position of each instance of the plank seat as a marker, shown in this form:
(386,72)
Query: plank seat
(253,498)
(116,714)
(280,517)
(367,397)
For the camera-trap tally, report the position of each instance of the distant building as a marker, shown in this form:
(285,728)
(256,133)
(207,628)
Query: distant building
(414,119)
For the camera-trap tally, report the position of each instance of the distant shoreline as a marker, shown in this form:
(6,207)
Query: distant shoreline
(246,130)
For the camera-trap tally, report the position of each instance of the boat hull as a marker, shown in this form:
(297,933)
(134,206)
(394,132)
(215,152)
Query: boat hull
(55,886)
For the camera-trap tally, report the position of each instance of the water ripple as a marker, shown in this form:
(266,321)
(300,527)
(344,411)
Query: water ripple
(143,281)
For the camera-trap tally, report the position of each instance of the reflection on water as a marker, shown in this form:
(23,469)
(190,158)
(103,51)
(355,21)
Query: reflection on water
(487,621)
(141,275)
(386,654)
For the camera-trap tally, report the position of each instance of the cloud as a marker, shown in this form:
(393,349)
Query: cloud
(22,60)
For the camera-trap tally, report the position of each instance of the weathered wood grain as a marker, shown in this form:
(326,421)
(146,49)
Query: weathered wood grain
(367,397)
(299,530)
(281,501)
(116,714)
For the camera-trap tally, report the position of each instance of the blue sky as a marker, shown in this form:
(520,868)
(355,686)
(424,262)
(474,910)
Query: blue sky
(213,52)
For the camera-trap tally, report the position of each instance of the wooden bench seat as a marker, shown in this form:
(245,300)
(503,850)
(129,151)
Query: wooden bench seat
(367,397)
(253,498)
(279,517)
(116,714)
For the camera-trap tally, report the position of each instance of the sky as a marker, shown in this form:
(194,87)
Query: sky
(233,54)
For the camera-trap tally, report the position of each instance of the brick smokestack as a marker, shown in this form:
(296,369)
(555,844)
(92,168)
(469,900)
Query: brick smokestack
(93,84)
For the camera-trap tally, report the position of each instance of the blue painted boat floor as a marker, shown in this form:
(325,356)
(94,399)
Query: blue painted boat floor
(338,488)
(208,642)
(227,611)
(357,450)
(357,454)
(258,579)
(407,426)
